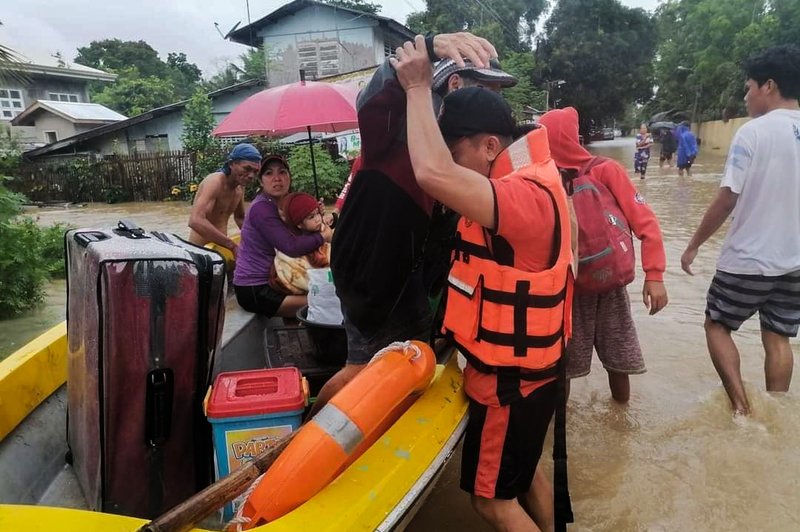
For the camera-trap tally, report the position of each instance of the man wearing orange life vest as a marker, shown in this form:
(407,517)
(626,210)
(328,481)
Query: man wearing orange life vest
(509,289)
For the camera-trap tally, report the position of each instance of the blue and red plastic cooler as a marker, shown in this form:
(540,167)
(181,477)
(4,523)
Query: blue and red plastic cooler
(249,412)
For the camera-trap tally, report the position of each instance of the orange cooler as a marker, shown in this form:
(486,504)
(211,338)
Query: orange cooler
(249,412)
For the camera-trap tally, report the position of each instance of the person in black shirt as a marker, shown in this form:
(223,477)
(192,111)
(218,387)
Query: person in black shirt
(378,250)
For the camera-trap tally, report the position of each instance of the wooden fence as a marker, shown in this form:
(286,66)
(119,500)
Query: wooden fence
(145,177)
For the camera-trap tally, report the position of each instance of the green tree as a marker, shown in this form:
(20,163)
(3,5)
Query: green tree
(230,75)
(702,44)
(603,52)
(508,24)
(256,64)
(138,68)
(198,123)
(786,15)
(185,76)
(10,152)
(698,57)
(358,5)
(522,65)
(331,174)
(115,55)
(133,94)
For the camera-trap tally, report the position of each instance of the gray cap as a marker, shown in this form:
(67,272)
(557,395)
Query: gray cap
(494,73)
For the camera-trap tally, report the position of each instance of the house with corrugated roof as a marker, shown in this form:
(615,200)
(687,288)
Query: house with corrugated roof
(48,79)
(56,120)
(321,39)
(154,131)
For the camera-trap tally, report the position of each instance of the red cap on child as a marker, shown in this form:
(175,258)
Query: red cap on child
(297,206)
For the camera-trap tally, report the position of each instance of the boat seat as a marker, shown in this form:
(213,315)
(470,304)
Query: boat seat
(241,332)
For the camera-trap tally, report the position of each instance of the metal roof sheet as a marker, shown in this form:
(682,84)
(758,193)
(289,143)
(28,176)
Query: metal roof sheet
(83,111)
(41,64)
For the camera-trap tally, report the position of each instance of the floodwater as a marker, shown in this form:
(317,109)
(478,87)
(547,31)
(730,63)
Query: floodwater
(166,216)
(674,458)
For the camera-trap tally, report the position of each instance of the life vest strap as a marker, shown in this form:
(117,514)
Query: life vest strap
(531,301)
(527,341)
(531,375)
(464,249)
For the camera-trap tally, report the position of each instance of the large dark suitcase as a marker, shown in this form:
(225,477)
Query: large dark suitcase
(144,321)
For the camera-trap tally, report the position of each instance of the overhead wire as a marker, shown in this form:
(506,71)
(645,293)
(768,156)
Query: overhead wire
(497,17)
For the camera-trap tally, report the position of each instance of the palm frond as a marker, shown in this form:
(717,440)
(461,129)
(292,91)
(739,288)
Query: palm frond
(10,66)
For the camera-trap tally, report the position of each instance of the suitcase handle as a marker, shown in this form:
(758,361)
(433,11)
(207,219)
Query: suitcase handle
(158,414)
(87,237)
(129,229)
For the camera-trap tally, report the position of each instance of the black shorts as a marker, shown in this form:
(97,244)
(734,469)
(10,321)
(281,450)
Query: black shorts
(665,156)
(732,299)
(411,318)
(260,299)
(502,445)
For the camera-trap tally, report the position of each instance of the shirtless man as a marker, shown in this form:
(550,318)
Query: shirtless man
(221,194)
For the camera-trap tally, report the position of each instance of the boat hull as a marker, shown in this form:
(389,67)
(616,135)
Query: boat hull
(378,491)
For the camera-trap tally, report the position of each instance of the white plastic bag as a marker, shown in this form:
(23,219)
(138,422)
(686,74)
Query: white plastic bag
(323,305)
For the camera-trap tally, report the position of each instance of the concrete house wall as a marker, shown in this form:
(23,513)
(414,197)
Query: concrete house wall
(52,122)
(159,134)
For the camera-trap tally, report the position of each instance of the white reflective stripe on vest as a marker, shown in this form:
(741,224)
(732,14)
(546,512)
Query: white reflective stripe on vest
(519,155)
(338,426)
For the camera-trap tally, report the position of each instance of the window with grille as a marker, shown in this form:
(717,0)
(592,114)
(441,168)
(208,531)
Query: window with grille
(390,46)
(11,103)
(318,58)
(149,144)
(230,142)
(62,97)
(156,143)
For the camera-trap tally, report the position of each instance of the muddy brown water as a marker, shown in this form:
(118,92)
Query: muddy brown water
(674,458)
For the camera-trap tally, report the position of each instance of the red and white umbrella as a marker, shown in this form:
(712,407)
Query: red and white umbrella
(310,106)
(302,106)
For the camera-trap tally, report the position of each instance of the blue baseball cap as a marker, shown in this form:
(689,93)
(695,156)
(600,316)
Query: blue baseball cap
(244,152)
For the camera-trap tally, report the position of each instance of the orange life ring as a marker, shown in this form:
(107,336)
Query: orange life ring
(345,427)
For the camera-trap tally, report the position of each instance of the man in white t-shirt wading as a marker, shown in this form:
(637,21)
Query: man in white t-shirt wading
(759,265)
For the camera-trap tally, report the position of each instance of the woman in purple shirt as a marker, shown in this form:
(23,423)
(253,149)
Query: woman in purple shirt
(263,232)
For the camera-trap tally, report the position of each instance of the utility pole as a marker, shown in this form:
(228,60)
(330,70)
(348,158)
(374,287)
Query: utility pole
(547,86)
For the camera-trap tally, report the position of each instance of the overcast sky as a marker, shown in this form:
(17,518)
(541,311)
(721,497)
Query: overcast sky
(38,28)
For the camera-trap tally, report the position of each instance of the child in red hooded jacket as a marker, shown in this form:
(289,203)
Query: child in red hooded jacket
(603,321)
(302,215)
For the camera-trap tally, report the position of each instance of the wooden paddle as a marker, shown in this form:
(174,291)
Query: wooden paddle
(193,510)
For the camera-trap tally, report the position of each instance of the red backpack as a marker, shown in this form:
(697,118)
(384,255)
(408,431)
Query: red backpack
(605,246)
